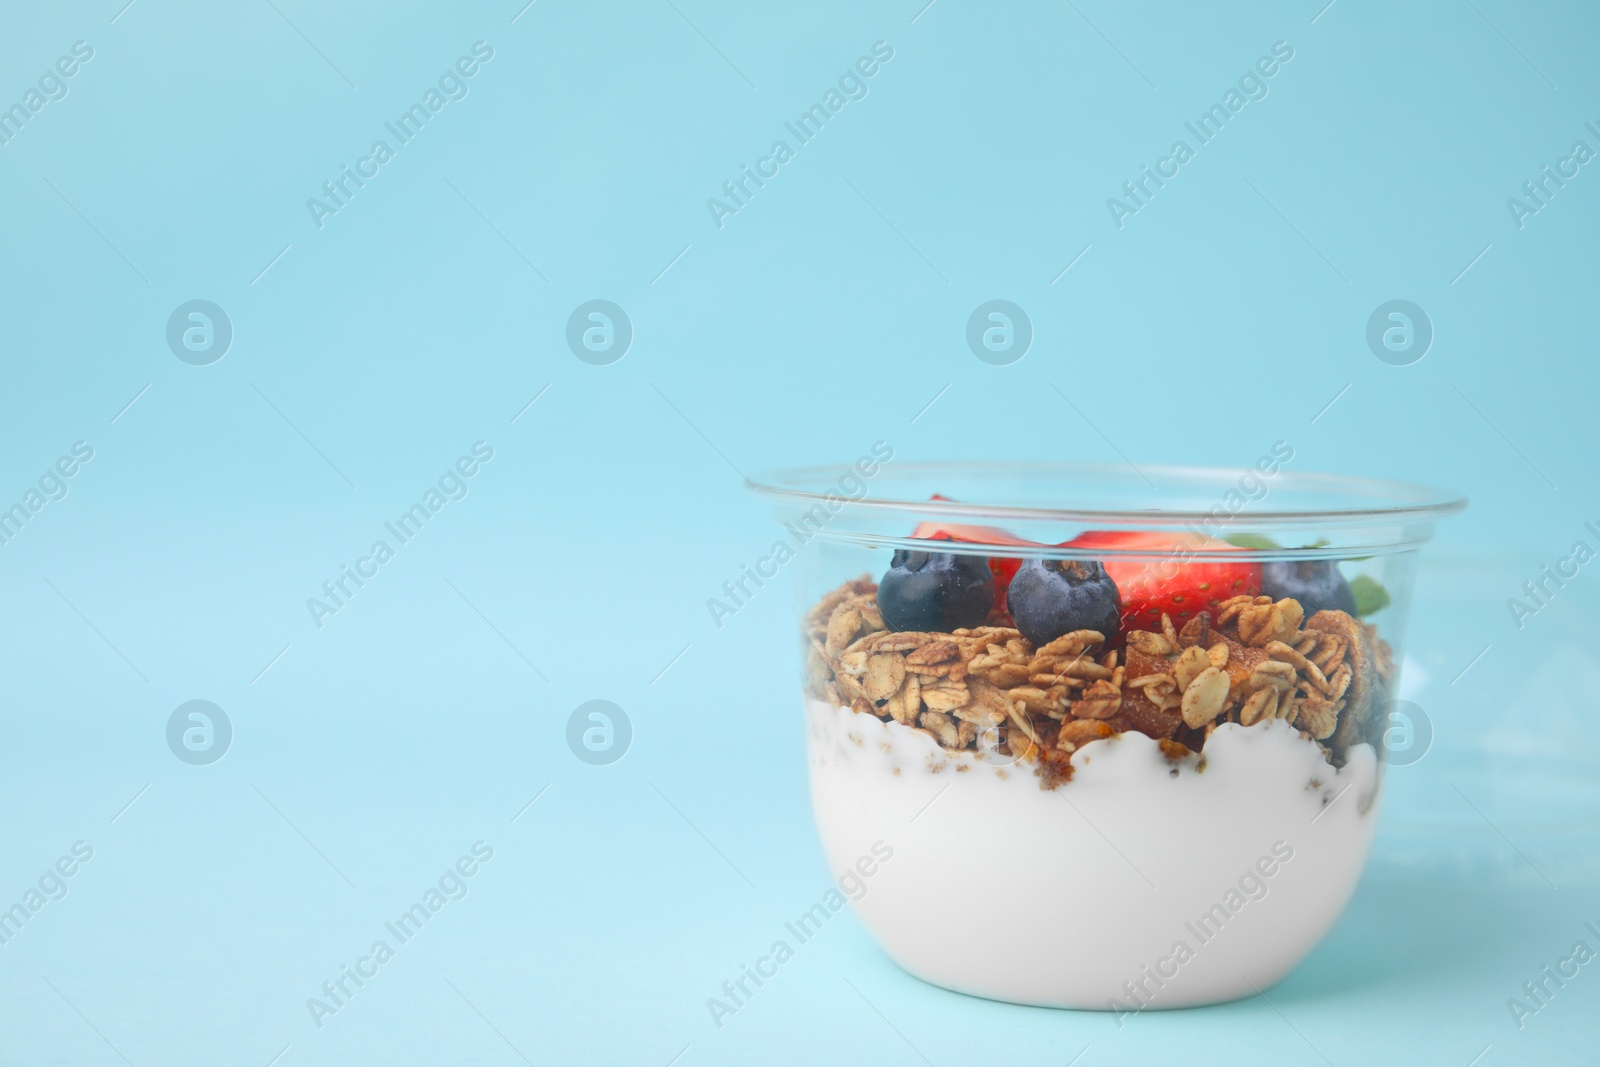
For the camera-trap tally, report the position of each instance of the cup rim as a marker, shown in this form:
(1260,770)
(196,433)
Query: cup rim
(1406,502)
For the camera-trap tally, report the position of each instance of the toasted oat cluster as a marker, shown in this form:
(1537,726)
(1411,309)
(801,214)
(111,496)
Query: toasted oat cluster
(1257,660)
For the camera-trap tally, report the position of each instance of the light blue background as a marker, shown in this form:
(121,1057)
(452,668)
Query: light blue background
(428,312)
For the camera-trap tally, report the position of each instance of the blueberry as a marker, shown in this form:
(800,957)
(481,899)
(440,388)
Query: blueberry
(935,591)
(1051,597)
(1316,583)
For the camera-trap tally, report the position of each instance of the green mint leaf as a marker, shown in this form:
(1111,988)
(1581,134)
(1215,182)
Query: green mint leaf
(1371,596)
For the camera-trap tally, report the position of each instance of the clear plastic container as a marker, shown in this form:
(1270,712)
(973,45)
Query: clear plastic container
(1097,737)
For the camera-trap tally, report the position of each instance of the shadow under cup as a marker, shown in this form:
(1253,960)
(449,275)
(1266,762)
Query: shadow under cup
(1048,792)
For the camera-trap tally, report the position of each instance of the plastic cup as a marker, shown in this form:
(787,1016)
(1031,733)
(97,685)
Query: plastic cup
(1158,813)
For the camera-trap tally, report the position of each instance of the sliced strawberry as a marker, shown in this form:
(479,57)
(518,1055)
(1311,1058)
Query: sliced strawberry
(1168,582)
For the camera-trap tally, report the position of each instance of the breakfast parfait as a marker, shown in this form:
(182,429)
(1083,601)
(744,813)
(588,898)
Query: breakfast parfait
(1135,769)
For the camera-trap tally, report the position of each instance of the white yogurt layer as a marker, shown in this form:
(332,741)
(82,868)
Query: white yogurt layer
(1141,882)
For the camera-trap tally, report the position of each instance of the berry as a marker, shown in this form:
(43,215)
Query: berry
(1004,568)
(1316,583)
(1167,581)
(1051,597)
(935,591)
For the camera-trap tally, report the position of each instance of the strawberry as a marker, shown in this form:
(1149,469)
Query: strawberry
(1004,568)
(1168,582)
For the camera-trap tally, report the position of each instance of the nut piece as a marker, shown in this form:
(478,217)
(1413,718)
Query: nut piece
(1360,653)
(1159,689)
(1193,661)
(885,672)
(1263,623)
(842,627)
(1273,673)
(940,726)
(853,663)
(1069,646)
(893,641)
(1044,701)
(1288,654)
(1100,701)
(1007,675)
(945,698)
(989,697)
(1318,715)
(1204,697)
(1197,631)
(933,653)
(1339,682)
(1152,643)
(1230,609)
(1262,704)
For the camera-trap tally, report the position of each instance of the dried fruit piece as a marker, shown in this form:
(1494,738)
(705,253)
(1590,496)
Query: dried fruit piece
(1175,751)
(1148,718)
(1080,732)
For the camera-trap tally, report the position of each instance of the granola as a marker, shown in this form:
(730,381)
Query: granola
(1257,660)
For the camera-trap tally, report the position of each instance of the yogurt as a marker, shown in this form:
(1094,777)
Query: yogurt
(1141,882)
